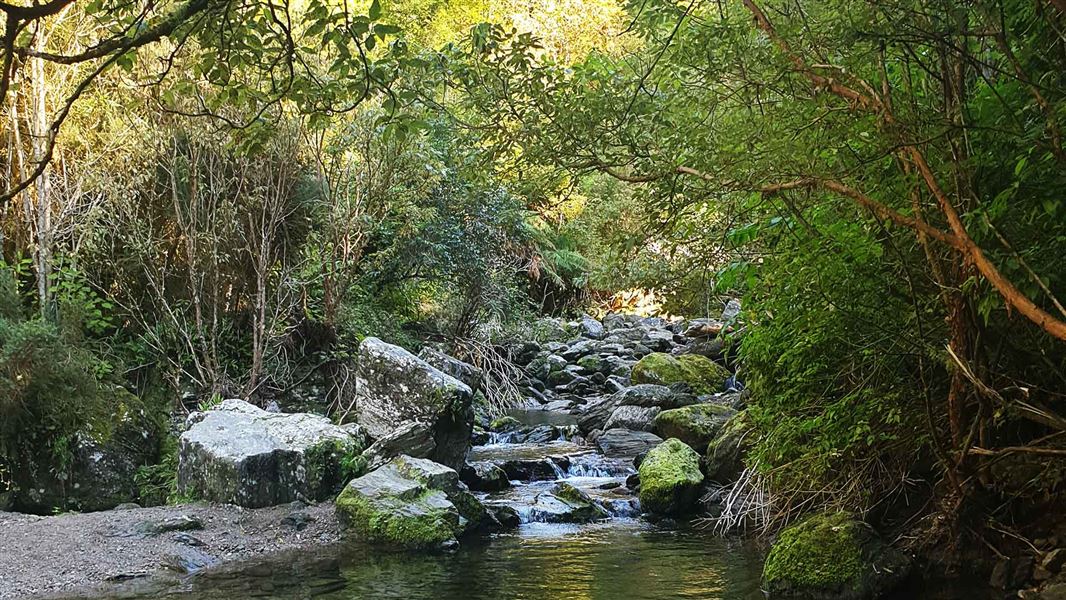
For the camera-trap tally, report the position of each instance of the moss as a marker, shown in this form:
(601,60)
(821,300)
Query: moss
(505,423)
(702,374)
(724,459)
(391,522)
(669,478)
(591,363)
(696,425)
(822,554)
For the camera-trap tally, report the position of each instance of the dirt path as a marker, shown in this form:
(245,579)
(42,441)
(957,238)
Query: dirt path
(48,556)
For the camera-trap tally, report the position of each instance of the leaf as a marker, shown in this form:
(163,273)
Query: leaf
(375,10)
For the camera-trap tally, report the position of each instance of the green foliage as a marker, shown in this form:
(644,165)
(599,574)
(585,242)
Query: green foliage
(49,396)
(157,484)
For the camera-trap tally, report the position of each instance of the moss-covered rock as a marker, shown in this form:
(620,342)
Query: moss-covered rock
(832,556)
(504,424)
(724,460)
(564,503)
(410,503)
(670,478)
(696,425)
(702,374)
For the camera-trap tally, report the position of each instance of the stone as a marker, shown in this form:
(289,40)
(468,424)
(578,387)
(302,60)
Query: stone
(534,469)
(564,503)
(703,328)
(581,348)
(731,311)
(410,503)
(239,454)
(702,374)
(157,527)
(101,473)
(670,478)
(623,443)
(412,438)
(696,425)
(394,387)
(463,371)
(832,556)
(596,412)
(659,396)
(724,459)
(187,560)
(658,340)
(484,477)
(591,328)
(635,418)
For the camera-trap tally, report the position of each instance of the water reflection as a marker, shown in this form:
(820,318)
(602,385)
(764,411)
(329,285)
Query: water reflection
(632,560)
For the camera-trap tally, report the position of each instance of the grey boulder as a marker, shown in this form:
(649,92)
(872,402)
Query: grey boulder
(239,454)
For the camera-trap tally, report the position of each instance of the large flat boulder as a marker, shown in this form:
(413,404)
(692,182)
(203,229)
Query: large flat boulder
(410,503)
(395,387)
(239,454)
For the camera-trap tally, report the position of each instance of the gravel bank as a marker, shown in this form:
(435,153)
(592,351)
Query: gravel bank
(72,553)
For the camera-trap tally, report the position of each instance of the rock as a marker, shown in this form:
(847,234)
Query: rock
(658,340)
(542,434)
(1053,561)
(504,517)
(484,477)
(591,328)
(596,412)
(394,386)
(188,560)
(561,405)
(534,469)
(564,503)
(614,321)
(635,418)
(549,329)
(102,469)
(712,349)
(621,443)
(465,372)
(696,425)
(670,478)
(504,424)
(703,328)
(591,363)
(731,311)
(410,503)
(239,454)
(649,395)
(524,352)
(701,373)
(156,527)
(580,349)
(412,439)
(725,454)
(832,556)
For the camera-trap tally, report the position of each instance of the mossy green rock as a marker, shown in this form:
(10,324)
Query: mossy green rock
(832,556)
(696,425)
(670,478)
(701,373)
(504,424)
(410,503)
(724,461)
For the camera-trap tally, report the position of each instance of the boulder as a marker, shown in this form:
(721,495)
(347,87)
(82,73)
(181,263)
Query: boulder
(832,556)
(410,503)
(652,395)
(670,478)
(731,311)
(635,418)
(412,438)
(696,425)
(465,372)
(103,462)
(595,413)
(239,454)
(623,443)
(702,374)
(394,387)
(590,328)
(724,460)
(564,503)
(484,477)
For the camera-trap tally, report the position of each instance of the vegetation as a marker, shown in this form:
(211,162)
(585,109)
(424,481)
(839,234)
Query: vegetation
(209,198)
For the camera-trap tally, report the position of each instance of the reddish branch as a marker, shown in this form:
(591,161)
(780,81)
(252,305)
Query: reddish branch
(869,102)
